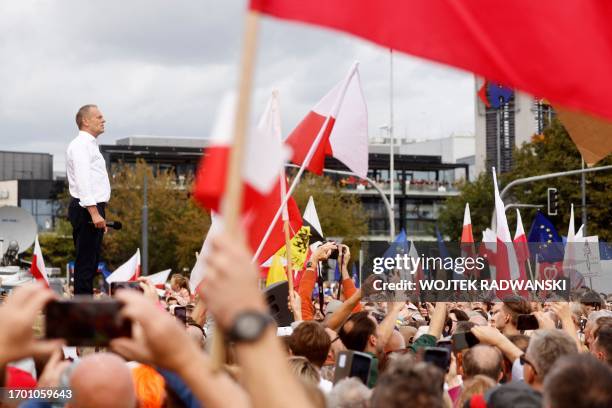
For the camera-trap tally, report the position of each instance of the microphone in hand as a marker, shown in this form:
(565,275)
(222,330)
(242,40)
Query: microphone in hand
(112,224)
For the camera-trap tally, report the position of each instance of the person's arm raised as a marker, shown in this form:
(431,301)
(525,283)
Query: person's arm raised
(230,289)
(386,327)
(493,337)
(438,319)
(340,315)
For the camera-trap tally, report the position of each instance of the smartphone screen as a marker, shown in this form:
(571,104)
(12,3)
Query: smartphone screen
(361,367)
(84,321)
(463,340)
(124,285)
(438,356)
(527,322)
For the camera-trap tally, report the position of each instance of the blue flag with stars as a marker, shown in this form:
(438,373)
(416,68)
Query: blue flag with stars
(549,246)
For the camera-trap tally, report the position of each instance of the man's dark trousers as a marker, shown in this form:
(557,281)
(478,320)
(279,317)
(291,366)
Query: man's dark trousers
(87,243)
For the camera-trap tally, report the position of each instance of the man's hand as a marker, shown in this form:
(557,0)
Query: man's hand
(345,255)
(97,220)
(544,322)
(152,329)
(230,285)
(488,335)
(322,252)
(295,305)
(17,316)
(149,290)
(50,377)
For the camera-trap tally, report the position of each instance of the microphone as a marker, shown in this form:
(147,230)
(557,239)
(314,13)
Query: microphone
(112,224)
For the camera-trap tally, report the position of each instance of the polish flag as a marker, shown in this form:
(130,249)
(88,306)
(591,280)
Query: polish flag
(159,279)
(337,126)
(466,234)
(264,156)
(129,271)
(520,245)
(506,267)
(468,249)
(37,269)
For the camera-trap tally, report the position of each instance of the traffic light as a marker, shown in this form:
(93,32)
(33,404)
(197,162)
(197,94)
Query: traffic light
(552,201)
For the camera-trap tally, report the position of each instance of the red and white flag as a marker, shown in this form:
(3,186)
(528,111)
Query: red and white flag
(340,122)
(159,279)
(129,271)
(468,249)
(506,265)
(520,245)
(37,269)
(264,160)
(466,234)
(264,156)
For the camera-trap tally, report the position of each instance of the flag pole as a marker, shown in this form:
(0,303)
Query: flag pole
(288,254)
(232,203)
(307,159)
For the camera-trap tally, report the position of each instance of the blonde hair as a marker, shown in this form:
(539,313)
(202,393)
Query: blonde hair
(304,369)
(180,281)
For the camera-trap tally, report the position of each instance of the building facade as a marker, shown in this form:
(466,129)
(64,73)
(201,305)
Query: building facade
(26,180)
(504,119)
(421,182)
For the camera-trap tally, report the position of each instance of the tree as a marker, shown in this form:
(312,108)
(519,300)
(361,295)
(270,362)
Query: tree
(177,226)
(340,214)
(550,152)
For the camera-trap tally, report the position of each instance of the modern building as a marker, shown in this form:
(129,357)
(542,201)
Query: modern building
(26,180)
(504,119)
(422,182)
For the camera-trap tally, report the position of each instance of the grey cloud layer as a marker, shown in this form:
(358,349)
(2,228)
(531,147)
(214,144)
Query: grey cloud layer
(159,67)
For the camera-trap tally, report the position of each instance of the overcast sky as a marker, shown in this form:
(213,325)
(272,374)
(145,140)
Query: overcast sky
(159,67)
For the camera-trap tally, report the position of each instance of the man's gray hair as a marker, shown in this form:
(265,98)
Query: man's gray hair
(83,110)
(546,347)
(349,393)
(599,313)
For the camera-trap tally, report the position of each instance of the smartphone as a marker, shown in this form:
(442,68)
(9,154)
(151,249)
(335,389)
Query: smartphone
(351,363)
(463,340)
(447,344)
(438,356)
(527,322)
(180,312)
(85,321)
(124,285)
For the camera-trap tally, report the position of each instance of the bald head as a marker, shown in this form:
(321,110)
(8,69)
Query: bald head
(102,380)
(481,359)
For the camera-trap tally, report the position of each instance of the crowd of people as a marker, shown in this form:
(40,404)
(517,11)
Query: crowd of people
(167,362)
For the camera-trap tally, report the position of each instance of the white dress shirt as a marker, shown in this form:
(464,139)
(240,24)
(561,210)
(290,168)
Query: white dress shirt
(86,171)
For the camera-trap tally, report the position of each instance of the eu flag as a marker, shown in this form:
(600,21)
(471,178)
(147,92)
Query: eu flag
(547,244)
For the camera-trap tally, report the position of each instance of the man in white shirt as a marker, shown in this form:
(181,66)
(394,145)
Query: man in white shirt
(90,190)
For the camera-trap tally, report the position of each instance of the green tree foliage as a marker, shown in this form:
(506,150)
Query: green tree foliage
(341,214)
(548,153)
(177,226)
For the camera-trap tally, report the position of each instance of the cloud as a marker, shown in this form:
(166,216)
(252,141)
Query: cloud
(160,68)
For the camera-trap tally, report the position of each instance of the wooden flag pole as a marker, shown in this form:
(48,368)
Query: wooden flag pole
(288,253)
(232,203)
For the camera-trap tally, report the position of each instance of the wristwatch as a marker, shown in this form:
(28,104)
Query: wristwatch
(249,326)
(309,265)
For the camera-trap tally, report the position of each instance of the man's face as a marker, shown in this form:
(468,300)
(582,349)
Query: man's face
(94,122)
(499,316)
